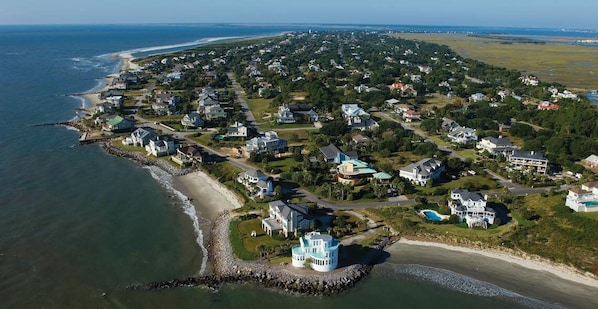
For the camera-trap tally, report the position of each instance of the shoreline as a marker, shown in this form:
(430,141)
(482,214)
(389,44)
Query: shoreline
(529,262)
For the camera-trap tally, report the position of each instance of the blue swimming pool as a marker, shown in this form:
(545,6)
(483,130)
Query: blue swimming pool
(432,215)
(591,204)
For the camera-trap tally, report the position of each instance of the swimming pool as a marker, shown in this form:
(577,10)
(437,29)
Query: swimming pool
(432,215)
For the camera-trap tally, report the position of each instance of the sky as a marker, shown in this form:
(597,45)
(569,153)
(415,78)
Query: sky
(568,14)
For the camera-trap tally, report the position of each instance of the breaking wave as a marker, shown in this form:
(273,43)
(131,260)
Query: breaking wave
(457,282)
(166,181)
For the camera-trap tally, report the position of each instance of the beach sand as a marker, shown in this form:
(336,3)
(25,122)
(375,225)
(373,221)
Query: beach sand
(209,196)
(532,278)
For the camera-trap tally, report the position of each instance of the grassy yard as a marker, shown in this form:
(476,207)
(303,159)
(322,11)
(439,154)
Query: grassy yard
(295,136)
(563,63)
(591,215)
(245,246)
(477,181)
(274,126)
(202,139)
(284,164)
(259,107)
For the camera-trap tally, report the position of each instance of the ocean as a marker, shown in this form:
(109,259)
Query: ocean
(78,225)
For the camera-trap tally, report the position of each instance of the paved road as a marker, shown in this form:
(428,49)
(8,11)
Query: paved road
(421,134)
(241,99)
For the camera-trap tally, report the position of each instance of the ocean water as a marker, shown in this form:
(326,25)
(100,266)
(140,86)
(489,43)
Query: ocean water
(78,225)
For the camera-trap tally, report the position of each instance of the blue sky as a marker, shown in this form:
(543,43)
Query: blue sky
(582,14)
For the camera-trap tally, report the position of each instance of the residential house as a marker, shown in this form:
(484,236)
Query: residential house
(462,135)
(530,80)
(357,118)
(285,115)
(331,153)
(161,146)
(116,101)
(268,142)
(547,106)
(390,103)
(110,93)
(192,120)
(118,124)
(528,161)
(257,183)
(584,199)
(354,172)
(104,108)
(590,162)
(496,146)
(142,136)
(411,116)
(423,171)
(472,208)
(360,139)
(320,250)
(215,112)
(477,97)
(189,155)
(237,129)
(286,218)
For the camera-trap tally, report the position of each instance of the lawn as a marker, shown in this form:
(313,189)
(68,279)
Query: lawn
(477,182)
(565,63)
(284,164)
(295,136)
(591,215)
(245,246)
(274,126)
(259,107)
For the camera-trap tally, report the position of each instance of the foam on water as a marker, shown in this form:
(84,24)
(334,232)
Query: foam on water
(455,281)
(166,181)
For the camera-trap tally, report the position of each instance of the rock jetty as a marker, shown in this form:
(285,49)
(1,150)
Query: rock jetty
(143,160)
(229,269)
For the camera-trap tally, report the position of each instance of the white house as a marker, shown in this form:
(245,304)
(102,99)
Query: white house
(422,171)
(584,199)
(496,146)
(320,249)
(286,218)
(285,115)
(257,183)
(477,97)
(161,147)
(357,118)
(462,135)
(142,136)
(471,207)
(528,161)
(214,112)
(192,120)
(591,161)
(237,129)
(268,142)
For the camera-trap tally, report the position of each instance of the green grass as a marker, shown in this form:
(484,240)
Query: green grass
(274,126)
(295,136)
(245,246)
(284,164)
(259,107)
(563,63)
(478,181)
(591,215)
(203,139)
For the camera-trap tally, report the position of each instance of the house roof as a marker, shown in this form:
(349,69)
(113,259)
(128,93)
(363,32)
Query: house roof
(424,166)
(330,151)
(256,174)
(528,155)
(466,195)
(285,209)
(592,158)
(500,142)
(116,120)
(382,176)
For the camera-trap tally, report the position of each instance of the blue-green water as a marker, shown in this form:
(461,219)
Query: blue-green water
(76,223)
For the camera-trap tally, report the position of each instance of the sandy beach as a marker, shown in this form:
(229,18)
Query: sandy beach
(209,196)
(534,278)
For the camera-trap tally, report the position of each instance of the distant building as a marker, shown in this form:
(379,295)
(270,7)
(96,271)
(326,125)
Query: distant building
(477,97)
(357,118)
(471,208)
(160,147)
(331,153)
(142,136)
(584,199)
(189,155)
(118,124)
(257,183)
(590,162)
(192,120)
(423,171)
(237,129)
(285,115)
(320,250)
(496,146)
(528,161)
(462,135)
